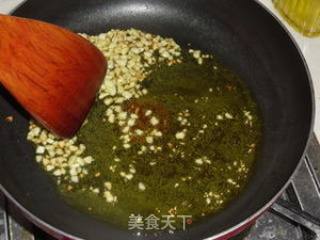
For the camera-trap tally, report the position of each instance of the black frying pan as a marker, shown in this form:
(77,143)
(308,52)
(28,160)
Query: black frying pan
(245,37)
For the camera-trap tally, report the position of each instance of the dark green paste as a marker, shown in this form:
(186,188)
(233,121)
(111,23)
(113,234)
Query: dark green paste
(206,91)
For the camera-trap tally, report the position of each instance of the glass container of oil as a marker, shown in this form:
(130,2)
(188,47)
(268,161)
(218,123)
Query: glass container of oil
(303,15)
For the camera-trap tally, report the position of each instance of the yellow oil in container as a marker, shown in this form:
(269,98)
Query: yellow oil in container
(303,15)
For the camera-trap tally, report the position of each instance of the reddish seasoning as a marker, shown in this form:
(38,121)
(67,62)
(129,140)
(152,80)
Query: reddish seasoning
(140,107)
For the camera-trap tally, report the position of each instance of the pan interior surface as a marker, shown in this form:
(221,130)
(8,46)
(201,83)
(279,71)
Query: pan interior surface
(243,35)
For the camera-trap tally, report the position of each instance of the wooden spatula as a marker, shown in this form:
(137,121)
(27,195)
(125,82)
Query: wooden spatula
(53,73)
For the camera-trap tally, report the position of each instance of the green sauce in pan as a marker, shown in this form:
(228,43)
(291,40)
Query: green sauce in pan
(195,173)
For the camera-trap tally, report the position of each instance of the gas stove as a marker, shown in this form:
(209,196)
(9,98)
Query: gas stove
(295,216)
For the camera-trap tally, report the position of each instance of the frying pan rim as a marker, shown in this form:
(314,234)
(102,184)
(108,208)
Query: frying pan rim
(17,7)
(37,221)
(311,128)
